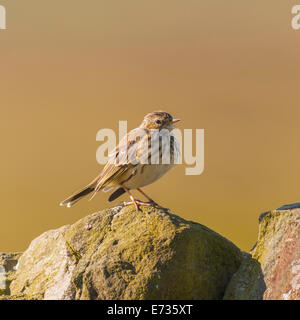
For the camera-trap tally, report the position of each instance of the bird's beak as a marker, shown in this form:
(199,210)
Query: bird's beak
(175,120)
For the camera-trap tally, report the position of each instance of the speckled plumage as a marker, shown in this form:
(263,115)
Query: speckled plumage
(137,161)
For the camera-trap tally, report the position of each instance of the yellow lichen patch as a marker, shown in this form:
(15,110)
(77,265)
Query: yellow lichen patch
(75,253)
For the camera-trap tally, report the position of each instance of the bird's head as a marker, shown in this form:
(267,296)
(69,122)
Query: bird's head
(159,120)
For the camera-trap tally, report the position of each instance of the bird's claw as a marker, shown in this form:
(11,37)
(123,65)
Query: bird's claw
(139,203)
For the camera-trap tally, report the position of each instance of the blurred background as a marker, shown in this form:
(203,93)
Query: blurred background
(69,68)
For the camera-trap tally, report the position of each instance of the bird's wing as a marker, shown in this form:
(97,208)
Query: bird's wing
(122,158)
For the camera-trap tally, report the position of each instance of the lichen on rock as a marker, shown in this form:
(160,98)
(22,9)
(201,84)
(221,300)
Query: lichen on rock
(278,252)
(272,272)
(119,253)
(151,254)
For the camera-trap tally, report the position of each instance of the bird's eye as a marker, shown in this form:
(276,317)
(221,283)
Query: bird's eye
(158,122)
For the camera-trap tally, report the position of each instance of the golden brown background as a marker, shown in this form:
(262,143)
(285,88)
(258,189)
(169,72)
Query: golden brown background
(69,68)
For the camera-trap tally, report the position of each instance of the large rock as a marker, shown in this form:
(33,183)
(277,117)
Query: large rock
(121,254)
(273,271)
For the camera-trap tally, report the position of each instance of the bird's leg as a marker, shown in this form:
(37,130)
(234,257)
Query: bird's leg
(151,201)
(133,201)
(138,203)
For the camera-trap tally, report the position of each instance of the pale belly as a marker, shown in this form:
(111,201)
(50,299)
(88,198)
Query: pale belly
(146,174)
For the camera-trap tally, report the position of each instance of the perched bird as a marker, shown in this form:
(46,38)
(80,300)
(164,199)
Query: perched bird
(143,156)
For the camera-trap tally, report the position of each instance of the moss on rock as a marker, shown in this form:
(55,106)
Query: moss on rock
(121,254)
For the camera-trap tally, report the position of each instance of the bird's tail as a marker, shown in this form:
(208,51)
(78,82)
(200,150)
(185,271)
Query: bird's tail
(78,195)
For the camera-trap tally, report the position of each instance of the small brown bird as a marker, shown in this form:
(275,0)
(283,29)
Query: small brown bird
(137,161)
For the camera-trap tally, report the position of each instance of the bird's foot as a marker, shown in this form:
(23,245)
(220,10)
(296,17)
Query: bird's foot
(139,203)
(136,204)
